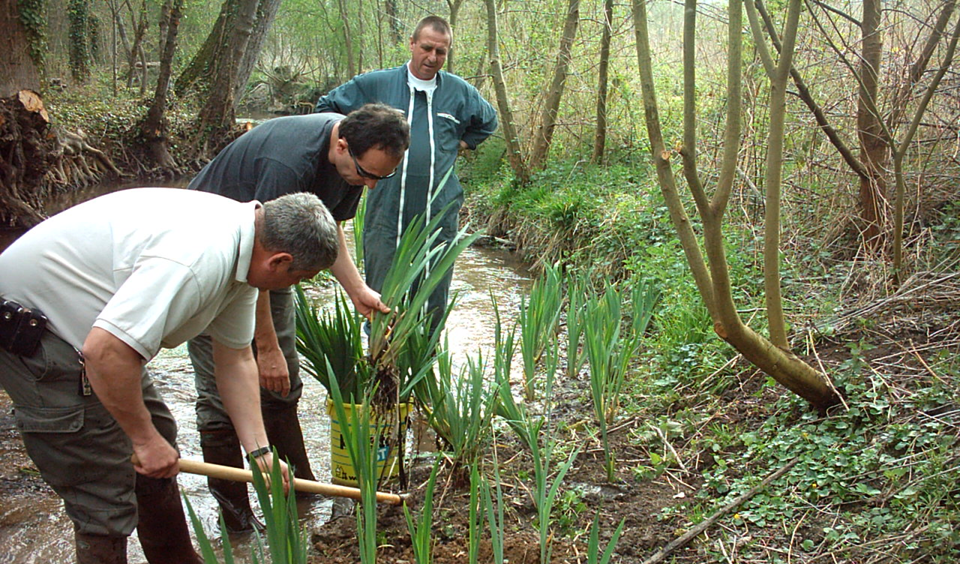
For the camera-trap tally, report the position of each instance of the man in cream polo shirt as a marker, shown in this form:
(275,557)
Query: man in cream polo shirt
(118,277)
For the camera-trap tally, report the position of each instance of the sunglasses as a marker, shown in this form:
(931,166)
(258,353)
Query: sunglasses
(363,173)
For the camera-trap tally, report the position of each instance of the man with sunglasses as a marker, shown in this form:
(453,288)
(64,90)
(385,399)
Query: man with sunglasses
(446,114)
(333,157)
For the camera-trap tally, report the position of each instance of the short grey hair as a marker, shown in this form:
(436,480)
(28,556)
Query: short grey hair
(300,224)
(437,24)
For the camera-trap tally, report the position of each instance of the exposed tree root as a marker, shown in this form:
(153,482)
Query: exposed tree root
(26,152)
(78,163)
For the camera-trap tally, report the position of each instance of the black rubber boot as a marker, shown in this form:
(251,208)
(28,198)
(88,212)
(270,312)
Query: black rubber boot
(162,525)
(223,447)
(100,549)
(284,433)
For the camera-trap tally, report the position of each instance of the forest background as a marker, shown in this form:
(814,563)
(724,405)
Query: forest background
(785,173)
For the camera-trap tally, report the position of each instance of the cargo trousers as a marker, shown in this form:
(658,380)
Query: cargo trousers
(79,448)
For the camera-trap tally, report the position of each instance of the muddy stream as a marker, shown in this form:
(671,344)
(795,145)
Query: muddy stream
(33,526)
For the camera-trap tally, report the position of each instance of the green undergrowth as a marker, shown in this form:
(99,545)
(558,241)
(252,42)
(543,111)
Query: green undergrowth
(876,479)
(111,122)
(612,220)
(879,475)
(98,112)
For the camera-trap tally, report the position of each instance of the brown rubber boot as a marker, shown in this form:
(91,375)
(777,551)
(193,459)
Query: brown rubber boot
(284,433)
(223,447)
(162,527)
(100,549)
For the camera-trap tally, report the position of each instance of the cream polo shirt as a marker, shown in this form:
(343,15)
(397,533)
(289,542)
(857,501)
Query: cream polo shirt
(152,266)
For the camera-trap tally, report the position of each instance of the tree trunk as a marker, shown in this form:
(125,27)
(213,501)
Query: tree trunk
(507,122)
(120,30)
(393,18)
(18,71)
(600,139)
(266,13)
(139,23)
(454,6)
(27,151)
(26,148)
(198,73)
(196,76)
(163,25)
(77,11)
(548,118)
(714,284)
(760,13)
(359,35)
(347,38)
(154,128)
(882,141)
(217,114)
(480,75)
(904,145)
(134,50)
(773,176)
(874,151)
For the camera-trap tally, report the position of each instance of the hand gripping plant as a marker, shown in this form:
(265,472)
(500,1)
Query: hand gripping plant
(402,343)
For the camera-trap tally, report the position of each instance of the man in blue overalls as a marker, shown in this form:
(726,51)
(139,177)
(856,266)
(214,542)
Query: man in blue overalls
(446,114)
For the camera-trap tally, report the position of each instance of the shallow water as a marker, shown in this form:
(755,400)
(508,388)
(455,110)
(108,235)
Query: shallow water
(38,531)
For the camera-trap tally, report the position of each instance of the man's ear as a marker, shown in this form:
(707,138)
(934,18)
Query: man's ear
(277,260)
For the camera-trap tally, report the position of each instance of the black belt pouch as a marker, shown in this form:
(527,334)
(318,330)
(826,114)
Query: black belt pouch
(20,328)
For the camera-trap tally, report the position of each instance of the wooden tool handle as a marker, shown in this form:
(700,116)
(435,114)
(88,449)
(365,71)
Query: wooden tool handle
(241,475)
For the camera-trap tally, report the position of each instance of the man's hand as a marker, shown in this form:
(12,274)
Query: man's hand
(156,458)
(274,375)
(236,374)
(366,301)
(114,369)
(271,364)
(265,463)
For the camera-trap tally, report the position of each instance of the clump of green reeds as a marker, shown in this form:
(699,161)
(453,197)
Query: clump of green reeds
(609,351)
(593,544)
(459,408)
(361,445)
(577,287)
(534,431)
(286,541)
(359,221)
(538,320)
(421,530)
(492,499)
(402,343)
(331,342)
